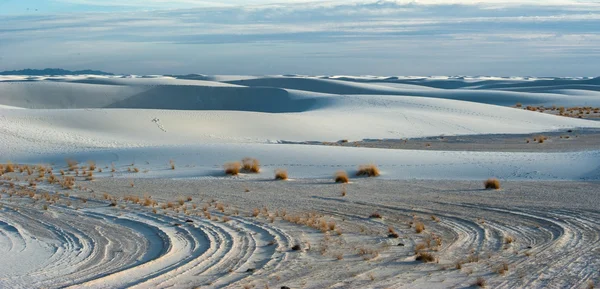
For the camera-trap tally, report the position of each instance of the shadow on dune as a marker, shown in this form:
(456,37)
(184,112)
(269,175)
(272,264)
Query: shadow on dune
(257,99)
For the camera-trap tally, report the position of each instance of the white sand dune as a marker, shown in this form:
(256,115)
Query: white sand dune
(199,122)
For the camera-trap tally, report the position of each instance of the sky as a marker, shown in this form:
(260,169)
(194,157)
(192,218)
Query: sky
(327,37)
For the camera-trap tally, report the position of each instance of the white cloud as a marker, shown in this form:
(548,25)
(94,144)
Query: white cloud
(318,38)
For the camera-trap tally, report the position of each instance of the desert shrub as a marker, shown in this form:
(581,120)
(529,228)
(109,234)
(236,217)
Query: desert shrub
(480,282)
(341,177)
(392,233)
(425,257)
(375,216)
(368,170)
(492,184)
(9,168)
(251,165)
(419,227)
(281,174)
(232,168)
(509,239)
(72,164)
(92,165)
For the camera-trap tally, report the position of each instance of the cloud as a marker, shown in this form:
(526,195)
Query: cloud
(317,38)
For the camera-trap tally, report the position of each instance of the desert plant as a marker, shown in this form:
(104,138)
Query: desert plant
(368,170)
(251,165)
(232,168)
(281,174)
(425,257)
(341,177)
(72,164)
(392,232)
(375,216)
(492,184)
(480,282)
(508,239)
(419,227)
(92,165)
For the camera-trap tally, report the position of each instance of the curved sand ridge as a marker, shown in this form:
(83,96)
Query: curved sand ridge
(97,246)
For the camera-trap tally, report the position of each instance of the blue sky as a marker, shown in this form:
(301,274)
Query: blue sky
(355,37)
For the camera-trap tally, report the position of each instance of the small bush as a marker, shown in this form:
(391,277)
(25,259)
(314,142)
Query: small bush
(72,164)
(232,168)
(492,184)
(251,165)
(341,177)
(425,257)
(368,170)
(480,282)
(281,174)
(92,165)
(419,227)
(9,168)
(375,216)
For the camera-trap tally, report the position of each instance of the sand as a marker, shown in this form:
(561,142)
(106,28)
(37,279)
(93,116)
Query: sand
(159,212)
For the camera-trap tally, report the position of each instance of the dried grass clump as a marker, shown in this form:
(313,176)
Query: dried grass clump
(92,165)
(72,164)
(368,170)
(233,168)
(509,239)
(251,165)
(281,174)
(425,257)
(480,282)
(419,227)
(341,177)
(492,184)
(392,233)
(9,168)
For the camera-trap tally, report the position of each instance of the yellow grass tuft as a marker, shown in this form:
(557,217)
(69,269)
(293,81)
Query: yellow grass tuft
(419,227)
(480,282)
(425,257)
(492,184)
(251,165)
(281,174)
(72,164)
(232,168)
(9,168)
(341,177)
(92,165)
(368,170)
